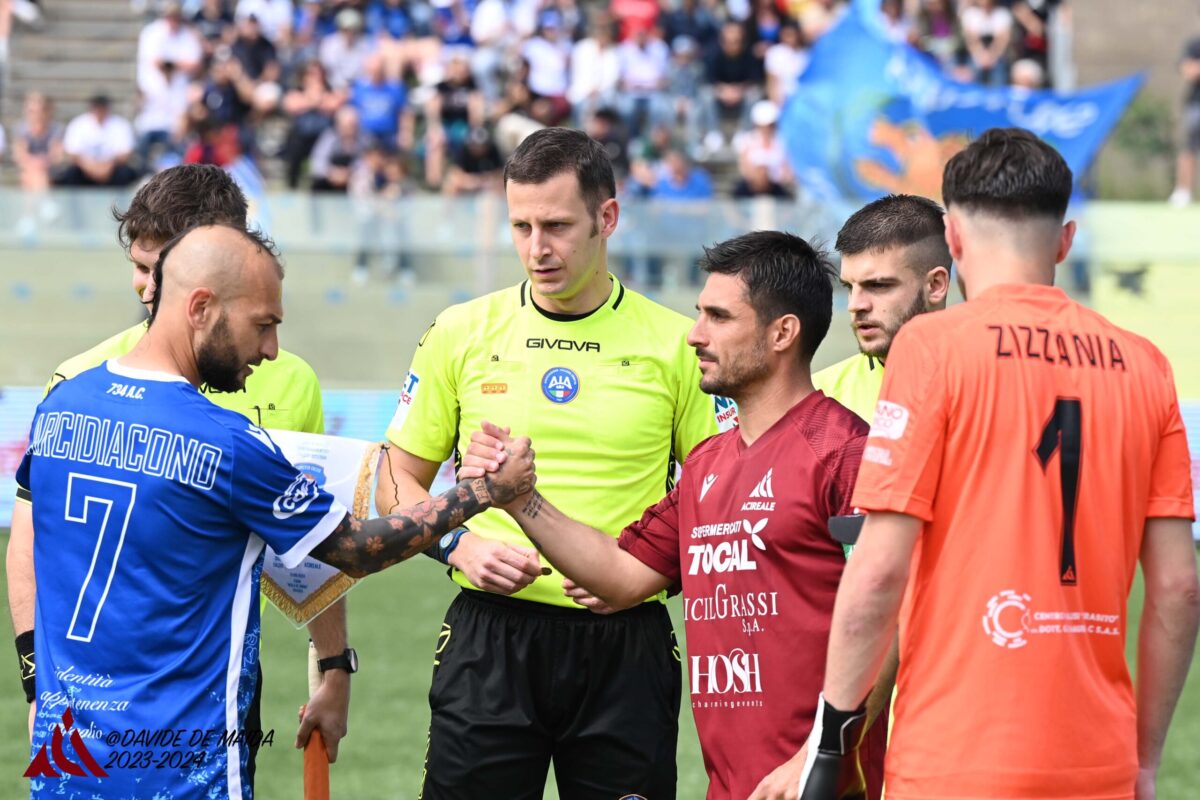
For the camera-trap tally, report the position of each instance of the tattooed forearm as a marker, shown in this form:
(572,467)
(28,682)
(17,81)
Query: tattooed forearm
(359,547)
(533,506)
(530,511)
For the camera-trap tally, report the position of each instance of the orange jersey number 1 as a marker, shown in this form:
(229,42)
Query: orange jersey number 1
(1064,430)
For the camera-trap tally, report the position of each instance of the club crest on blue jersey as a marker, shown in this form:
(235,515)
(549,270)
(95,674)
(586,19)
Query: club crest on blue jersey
(314,471)
(560,385)
(296,499)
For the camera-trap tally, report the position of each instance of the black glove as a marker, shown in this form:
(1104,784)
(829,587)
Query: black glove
(832,771)
(25,661)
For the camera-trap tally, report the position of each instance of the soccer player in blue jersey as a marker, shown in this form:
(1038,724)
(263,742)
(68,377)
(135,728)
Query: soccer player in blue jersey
(153,507)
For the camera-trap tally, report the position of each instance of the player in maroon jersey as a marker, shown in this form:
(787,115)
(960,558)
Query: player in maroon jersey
(744,534)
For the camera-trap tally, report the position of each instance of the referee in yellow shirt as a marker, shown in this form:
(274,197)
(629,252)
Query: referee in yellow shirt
(283,393)
(895,265)
(603,379)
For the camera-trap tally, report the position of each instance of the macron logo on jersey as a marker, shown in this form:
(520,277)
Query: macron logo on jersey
(261,435)
(709,480)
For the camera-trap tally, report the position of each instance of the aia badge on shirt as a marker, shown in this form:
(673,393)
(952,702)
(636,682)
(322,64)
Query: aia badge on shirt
(560,385)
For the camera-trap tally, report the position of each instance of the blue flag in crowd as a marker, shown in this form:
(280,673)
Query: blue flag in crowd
(871,117)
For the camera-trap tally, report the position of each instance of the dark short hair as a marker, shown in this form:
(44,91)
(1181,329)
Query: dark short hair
(898,221)
(1010,173)
(549,152)
(262,243)
(783,275)
(180,198)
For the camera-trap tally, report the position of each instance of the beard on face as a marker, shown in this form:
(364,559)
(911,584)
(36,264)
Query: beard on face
(217,359)
(880,349)
(736,375)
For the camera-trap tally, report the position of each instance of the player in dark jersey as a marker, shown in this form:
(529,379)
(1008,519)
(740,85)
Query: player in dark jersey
(153,509)
(745,532)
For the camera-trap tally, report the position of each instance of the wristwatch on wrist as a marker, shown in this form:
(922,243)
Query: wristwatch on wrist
(347,661)
(449,542)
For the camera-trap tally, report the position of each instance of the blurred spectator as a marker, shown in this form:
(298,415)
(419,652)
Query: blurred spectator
(344,52)
(1033,29)
(452,24)
(312,22)
(784,62)
(37,145)
(687,90)
(377,181)
(646,155)
(1027,74)
(167,41)
(516,111)
(389,18)
(452,111)
(897,26)
(734,72)
(98,145)
(310,107)
(987,32)
(548,54)
(254,51)
(574,19)
(275,17)
(817,16)
(477,168)
(595,69)
(606,127)
(645,68)
(633,15)
(696,20)
(3,143)
(228,94)
(337,152)
(208,142)
(762,27)
(163,107)
(680,179)
(382,106)
(1185,165)
(758,183)
(762,146)
(214,25)
(494,30)
(937,32)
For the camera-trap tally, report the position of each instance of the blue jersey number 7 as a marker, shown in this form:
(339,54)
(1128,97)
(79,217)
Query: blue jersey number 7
(107,506)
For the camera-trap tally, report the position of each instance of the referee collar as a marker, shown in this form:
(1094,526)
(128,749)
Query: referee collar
(615,296)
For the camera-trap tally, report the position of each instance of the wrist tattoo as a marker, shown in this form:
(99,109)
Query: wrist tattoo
(359,547)
(533,506)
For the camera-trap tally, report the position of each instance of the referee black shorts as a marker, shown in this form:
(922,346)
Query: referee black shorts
(518,684)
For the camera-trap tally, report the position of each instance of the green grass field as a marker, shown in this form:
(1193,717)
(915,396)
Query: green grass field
(394,621)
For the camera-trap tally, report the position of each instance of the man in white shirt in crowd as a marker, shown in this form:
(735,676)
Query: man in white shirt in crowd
(98,145)
(167,42)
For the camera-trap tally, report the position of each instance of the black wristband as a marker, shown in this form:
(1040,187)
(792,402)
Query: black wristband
(26,663)
(839,731)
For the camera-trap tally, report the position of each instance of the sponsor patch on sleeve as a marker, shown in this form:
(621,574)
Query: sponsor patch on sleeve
(412,382)
(890,420)
(877,455)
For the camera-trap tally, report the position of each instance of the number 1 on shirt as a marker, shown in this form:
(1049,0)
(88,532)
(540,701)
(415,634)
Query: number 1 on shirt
(1064,431)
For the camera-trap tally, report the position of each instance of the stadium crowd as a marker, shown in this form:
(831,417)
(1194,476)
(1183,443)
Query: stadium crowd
(383,97)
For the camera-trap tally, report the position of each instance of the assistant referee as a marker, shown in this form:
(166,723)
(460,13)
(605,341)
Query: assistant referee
(604,381)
